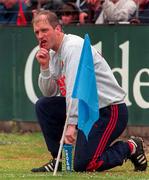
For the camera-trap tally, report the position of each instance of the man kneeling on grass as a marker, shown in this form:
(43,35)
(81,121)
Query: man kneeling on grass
(58,57)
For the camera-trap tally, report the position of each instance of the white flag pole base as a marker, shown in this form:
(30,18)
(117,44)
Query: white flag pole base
(62,139)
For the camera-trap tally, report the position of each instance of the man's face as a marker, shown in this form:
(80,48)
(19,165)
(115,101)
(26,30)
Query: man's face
(9,3)
(92,2)
(45,33)
(67,19)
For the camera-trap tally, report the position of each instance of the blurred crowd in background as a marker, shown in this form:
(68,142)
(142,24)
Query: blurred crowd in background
(20,12)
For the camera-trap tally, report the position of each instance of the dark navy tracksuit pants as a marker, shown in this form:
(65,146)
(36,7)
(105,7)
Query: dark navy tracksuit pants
(95,154)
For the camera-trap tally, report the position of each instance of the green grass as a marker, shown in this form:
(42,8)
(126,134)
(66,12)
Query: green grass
(19,153)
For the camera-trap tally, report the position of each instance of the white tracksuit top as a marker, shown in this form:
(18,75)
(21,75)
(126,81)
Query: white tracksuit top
(60,77)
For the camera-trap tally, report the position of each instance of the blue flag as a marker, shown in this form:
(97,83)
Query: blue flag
(85,90)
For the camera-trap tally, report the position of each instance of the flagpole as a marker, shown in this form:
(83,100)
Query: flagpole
(62,139)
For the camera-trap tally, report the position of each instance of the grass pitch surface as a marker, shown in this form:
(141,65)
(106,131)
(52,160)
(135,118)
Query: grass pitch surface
(19,153)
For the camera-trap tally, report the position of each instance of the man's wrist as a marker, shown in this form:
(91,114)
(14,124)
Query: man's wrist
(72,125)
(44,67)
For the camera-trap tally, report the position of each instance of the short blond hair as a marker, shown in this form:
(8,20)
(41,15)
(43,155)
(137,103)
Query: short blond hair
(50,16)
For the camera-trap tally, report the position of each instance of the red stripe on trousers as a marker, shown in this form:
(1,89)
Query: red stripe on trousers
(102,141)
(93,165)
(108,132)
